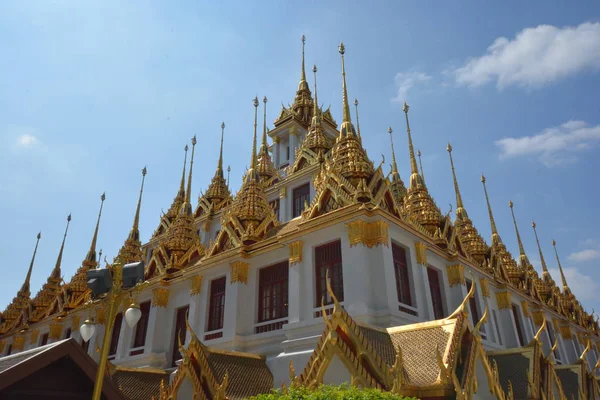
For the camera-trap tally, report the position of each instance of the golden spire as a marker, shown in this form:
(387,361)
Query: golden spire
(25,288)
(187,205)
(460,208)
(131,250)
(316,121)
(421,165)
(522,256)
(487,199)
(303,75)
(253,158)
(415,178)
(356,108)
(220,163)
(397,185)
(542,260)
(90,258)
(180,197)
(218,190)
(347,128)
(56,271)
(562,275)
(265,168)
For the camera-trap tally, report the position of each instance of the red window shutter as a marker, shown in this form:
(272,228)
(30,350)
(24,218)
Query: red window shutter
(328,257)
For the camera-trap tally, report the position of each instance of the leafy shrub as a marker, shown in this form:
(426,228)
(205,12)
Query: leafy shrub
(329,392)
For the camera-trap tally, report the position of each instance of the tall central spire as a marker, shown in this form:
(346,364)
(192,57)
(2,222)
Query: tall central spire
(90,258)
(491,215)
(25,288)
(253,158)
(303,74)
(187,205)
(357,121)
(56,271)
(347,128)
(217,195)
(460,208)
(397,185)
(265,168)
(220,162)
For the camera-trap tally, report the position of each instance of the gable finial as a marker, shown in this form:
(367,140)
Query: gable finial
(316,116)
(187,205)
(542,260)
(264,148)
(421,165)
(253,156)
(220,162)
(303,74)
(91,255)
(357,123)
(394,165)
(415,178)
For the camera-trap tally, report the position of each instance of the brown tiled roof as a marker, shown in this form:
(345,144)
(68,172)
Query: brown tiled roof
(569,381)
(284,228)
(12,360)
(381,342)
(248,374)
(513,367)
(139,383)
(418,351)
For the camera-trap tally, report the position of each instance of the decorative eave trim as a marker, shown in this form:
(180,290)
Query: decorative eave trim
(503,300)
(196,285)
(370,234)
(421,252)
(484,283)
(456,274)
(295,252)
(75,323)
(525,308)
(160,297)
(239,272)
(55,331)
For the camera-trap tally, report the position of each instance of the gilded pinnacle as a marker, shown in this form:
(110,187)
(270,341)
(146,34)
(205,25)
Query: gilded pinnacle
(357,122)
(414,170)
(562,275)
(91,255)
(542,260)
(342,49)
(347,129)
(460,211)
(491,215)
(421,165)
(394,165)
(316,117)
(56,271)
(25,287)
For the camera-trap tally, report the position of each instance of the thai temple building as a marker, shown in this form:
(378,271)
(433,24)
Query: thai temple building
(324,267)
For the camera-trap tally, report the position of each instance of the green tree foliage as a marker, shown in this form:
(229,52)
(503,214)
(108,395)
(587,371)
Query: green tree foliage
(329,392)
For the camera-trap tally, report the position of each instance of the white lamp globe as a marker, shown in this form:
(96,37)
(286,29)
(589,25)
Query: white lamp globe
(133,315)
(87,330)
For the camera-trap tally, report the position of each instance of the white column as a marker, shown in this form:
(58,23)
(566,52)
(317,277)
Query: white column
(292,143)
(276,152)
(296,292)
(158,335)
(355,262)
(197,312)
(124,339)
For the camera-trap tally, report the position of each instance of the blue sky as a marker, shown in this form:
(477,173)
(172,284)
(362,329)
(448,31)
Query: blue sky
(91,92)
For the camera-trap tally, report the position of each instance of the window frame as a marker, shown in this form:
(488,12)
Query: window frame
(278,285)
(141,328)
(298,206)
(335,266)
(441,311)
(404,289)
(515,310)
(212,323)
(179,328)
(474,303)
(114,336)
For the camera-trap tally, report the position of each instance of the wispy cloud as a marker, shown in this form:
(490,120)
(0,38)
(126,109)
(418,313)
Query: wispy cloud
(535,57)
(407,80)
(584,255)
(583,286)
(27,140)
(553,146)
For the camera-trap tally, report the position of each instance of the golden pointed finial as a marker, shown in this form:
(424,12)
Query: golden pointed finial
(357,122)
(303,75)
(316,116)
(220,163)
(253,157)
(91,255)
(394,165)
(187,205)
(228,171)
(460,210)
(521,248)
(56,270)
(542,260)
(347,129)
(487,199)
(182,184)
(562,275)
(264,148)
(25,287)
(136,219)
(415,178)
(421,165)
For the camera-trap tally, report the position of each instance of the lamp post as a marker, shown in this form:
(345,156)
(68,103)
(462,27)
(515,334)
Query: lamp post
(115,283)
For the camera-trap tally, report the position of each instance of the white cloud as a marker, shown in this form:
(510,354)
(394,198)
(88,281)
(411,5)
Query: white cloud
(553,146)
(27,140)
(535,57)
(406,81)
(584,287)
(584,255)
